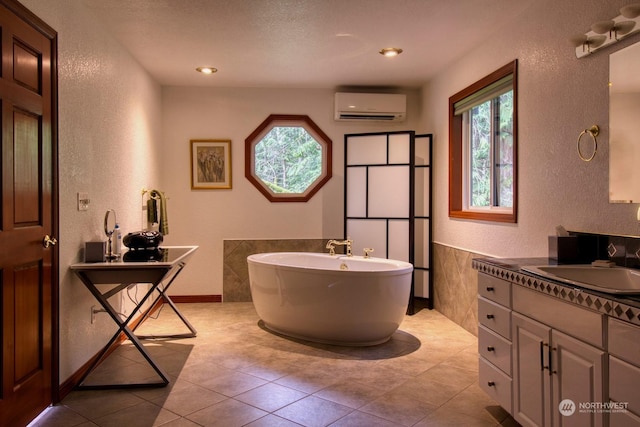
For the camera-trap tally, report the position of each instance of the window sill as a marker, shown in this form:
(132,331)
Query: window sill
(509,217)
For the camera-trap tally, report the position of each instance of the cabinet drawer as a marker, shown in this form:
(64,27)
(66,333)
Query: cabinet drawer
(624,341)
(494,349)
(624,380)
(495,317)
(495,289)
(572,319)
(496,384)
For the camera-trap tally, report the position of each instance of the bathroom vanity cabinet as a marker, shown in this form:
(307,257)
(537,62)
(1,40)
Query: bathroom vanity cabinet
(549,365)
(541,343)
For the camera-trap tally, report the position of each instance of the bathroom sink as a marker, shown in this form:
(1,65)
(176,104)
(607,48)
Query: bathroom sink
(612,280)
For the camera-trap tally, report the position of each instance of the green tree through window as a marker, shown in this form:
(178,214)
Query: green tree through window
(491,144)
(288,159)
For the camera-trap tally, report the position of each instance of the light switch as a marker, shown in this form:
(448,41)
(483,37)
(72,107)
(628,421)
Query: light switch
(83,201)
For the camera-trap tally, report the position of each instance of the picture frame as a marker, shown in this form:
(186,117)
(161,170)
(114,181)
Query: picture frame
(210,164)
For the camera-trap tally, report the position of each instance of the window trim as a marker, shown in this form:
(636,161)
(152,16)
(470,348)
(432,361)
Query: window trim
(291,120)
(457,162)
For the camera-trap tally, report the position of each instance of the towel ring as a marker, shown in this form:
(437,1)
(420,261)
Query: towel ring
(593,131)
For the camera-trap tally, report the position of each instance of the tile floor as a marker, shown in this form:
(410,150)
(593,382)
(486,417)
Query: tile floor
(235,373)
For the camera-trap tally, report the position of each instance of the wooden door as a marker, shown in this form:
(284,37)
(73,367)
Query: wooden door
(28,270)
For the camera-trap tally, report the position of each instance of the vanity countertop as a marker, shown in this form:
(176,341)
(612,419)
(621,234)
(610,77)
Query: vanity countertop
(625,307)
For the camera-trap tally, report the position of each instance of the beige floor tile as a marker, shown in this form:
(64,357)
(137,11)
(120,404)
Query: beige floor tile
(96,403)
(229,413)
(187,398)
(362,419)
(350,393)
(400,409)
(180,422)
(57,416)
(272,369)
(142,414)
(313,412)
(203,371)
(235,372)
(474,402)
(270,397)
(308,381)
(449,374)
(272,421)
(232,383)
(446,418)
(427,391)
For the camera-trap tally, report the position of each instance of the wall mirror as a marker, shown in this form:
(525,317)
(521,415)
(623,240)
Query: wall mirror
(624,125)
(288,158)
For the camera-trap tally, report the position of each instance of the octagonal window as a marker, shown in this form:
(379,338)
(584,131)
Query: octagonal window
(288,158)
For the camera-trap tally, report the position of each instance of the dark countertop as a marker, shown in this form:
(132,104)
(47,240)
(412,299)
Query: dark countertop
(521,277)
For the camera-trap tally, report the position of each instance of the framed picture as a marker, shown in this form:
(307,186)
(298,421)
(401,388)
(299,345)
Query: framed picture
(210,164)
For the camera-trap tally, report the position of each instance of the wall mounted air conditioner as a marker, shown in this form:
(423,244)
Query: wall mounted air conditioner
(389,107)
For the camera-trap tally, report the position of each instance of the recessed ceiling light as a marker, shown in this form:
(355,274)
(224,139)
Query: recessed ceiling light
(391,51)
(206,70)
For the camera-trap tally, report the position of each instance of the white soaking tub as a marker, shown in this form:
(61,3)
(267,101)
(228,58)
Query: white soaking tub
(338,300)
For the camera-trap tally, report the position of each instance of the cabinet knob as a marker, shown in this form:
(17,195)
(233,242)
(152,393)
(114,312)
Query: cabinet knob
(490,316)
(491,348)
(489,288)
(491,384)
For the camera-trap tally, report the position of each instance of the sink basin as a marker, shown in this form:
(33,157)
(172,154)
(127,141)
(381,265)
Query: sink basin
(613,280)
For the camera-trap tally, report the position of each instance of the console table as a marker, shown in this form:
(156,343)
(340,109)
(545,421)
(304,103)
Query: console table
(158,268)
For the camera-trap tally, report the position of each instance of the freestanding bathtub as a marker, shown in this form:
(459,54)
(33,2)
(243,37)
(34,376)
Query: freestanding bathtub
(339,300)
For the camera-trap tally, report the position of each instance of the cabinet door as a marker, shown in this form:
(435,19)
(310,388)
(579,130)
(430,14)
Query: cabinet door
(531,378)
(577,374)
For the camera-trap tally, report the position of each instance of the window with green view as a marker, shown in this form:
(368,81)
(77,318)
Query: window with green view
(483,148)
(288,159)
(491,152)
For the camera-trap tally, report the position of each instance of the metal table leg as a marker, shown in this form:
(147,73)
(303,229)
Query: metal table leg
(122,328)
(162,289)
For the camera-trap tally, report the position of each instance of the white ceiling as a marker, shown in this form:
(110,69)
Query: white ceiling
(300,43)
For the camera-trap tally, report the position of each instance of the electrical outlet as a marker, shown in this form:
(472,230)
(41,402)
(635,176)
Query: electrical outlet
(94,311)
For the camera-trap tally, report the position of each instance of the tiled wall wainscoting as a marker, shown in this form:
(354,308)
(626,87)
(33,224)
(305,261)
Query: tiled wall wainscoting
(455,286)
(235,278)
(455,281)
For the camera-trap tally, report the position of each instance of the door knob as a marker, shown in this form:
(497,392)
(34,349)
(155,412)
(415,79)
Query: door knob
(48,241)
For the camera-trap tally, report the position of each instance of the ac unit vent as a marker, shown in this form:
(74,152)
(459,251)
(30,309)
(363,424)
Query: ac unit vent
(385,117)
(370,106)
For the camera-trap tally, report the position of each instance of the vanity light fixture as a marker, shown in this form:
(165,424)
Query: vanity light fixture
(631,11)
(604,33)
(614,29)
(206,70)
(390,52)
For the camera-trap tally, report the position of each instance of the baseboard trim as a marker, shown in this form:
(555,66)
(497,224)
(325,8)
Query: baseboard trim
(195,298)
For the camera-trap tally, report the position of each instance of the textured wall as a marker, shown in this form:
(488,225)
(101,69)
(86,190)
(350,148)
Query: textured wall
(108,146)
(207,217)
(559,96)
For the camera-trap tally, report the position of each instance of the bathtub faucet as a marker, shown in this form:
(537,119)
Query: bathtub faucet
(331,245)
